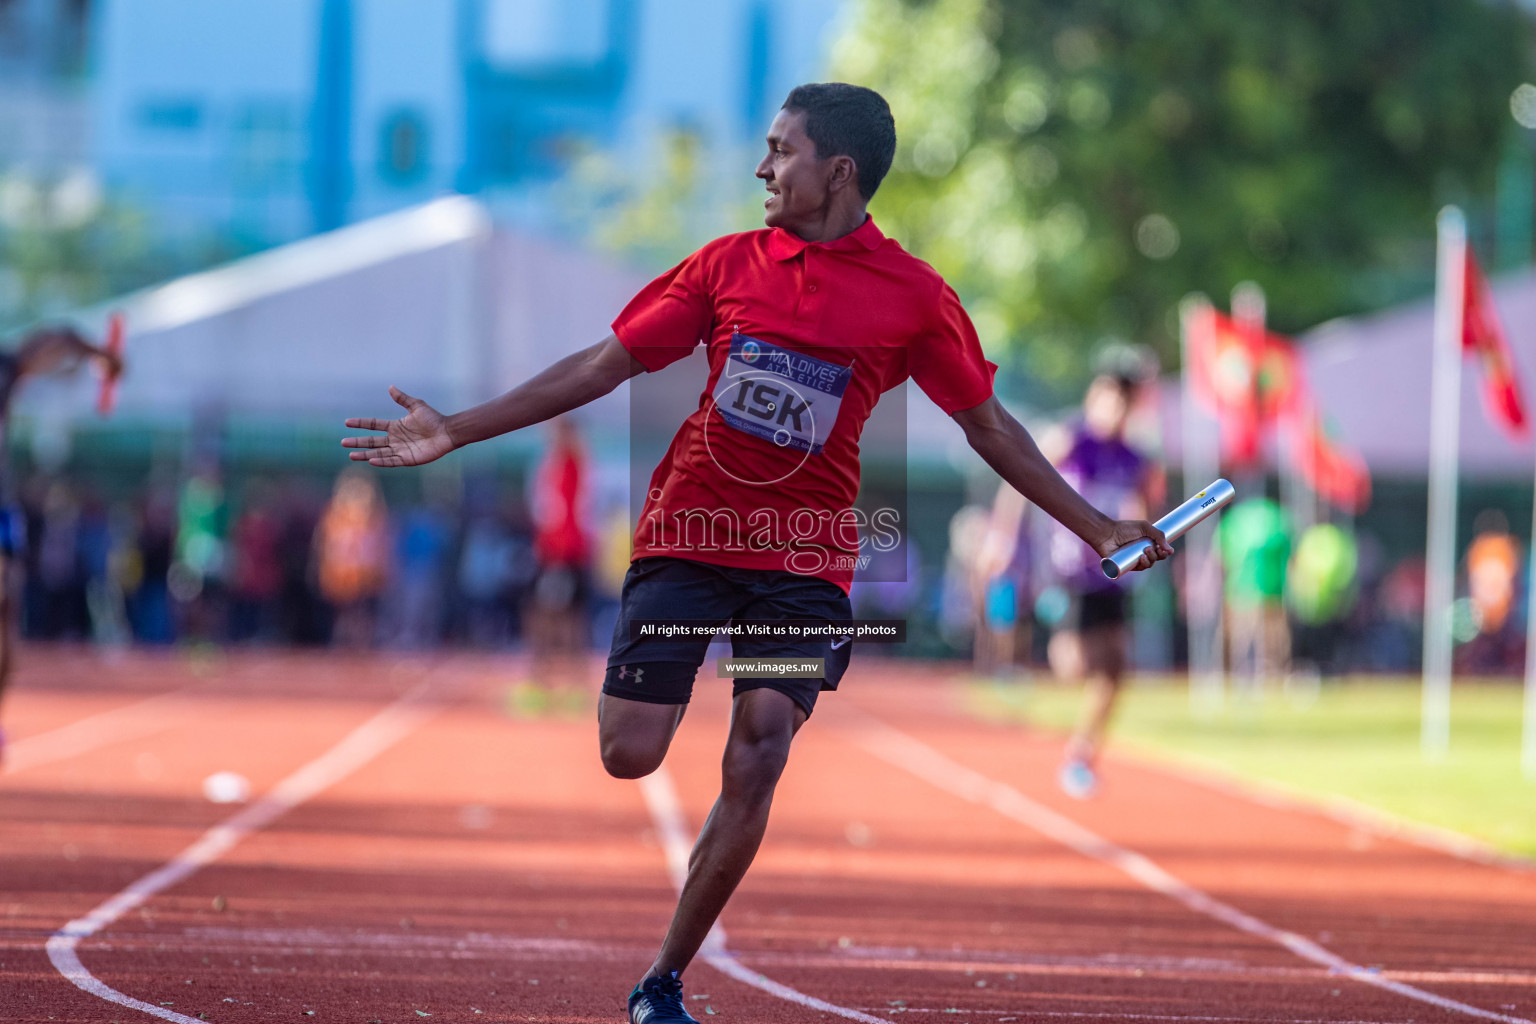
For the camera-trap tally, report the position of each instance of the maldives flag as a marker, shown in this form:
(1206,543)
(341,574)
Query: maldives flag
(1482,334)
(1245,375)
(1336,472)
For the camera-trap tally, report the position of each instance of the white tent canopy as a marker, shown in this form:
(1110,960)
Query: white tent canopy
(432,299)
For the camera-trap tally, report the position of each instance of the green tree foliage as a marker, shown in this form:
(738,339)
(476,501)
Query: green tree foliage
(65,245)
(1074,167)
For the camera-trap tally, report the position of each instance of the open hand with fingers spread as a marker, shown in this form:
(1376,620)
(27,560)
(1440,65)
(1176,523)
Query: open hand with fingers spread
(419,437)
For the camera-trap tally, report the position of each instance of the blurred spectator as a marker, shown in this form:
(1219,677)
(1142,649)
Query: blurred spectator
(958,609)
(562,546)
(615,545)
(1320,590)
(304,617)
(495,567)
(147,575)
(352,550)
(557,610)
(59,583)
(999,585)
(256,570)
(416,597)
(892,598)
(99,542)
(1493,562)
(197,575)
(1394,639)
(1255,543)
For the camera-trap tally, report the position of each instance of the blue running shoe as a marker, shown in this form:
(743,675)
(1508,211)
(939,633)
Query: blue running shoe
(1077,780)
(659,1000)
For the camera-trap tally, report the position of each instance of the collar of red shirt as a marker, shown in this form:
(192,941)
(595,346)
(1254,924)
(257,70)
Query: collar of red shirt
(784,245)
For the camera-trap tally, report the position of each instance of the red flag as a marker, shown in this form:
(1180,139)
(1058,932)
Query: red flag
(1281,381)
(1482,334)
(1336,472)
(106,397)
(1245,375)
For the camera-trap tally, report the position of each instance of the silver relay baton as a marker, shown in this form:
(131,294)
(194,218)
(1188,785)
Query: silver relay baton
(1174,525)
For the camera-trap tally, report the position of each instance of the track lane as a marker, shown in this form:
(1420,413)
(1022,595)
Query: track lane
(1398,908)
(126,822)
(858,858)
(485,853)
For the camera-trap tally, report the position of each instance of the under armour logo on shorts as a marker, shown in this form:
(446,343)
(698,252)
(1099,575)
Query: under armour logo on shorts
(624,672)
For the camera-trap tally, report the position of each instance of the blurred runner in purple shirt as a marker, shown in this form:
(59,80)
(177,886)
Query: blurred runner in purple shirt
(1091,639)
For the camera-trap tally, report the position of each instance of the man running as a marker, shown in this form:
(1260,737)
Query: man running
(46,350)
(1092,641)
(749,515)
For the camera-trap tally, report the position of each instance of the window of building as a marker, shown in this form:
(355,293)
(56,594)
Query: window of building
(266,141)
(171,114)
(13,38)
(532,33)
(403,147)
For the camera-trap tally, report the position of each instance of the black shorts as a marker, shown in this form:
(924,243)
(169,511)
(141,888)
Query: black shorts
(661,670)
(1095,609)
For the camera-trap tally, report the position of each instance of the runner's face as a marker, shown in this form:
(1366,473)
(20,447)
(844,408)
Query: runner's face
(796,180)
(1106,407)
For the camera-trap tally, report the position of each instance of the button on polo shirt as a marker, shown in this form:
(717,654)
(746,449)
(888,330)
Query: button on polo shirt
(764,472)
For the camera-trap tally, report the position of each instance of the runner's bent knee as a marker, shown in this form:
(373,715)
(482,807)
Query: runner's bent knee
(634,734)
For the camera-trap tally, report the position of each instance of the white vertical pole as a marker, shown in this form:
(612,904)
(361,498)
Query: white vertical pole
(1528,725)
(1444,442)
(1203,583)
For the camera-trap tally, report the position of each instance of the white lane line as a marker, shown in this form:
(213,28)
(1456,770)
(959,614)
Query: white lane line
(357,748)
(133,721)
(897,748)
(667,815)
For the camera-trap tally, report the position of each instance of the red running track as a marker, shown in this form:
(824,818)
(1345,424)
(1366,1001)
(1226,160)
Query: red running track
(412,850)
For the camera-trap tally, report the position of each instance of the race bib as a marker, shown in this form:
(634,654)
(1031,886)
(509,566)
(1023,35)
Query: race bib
(789,398)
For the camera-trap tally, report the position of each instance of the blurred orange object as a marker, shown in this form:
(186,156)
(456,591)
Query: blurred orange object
(1492,561)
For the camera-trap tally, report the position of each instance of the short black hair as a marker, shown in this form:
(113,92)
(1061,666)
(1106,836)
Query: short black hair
(848,120)
(1129,367)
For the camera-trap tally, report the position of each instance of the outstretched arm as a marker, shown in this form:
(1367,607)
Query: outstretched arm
(1007,447)
(424,434)
(62,348)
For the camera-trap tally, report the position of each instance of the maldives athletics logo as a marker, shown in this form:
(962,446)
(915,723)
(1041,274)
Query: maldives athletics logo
(788,398)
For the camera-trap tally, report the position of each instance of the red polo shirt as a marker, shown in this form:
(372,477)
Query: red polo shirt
(802,339)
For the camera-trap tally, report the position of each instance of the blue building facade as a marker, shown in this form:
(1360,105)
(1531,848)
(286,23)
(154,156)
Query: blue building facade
(276,118)
(44,114)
